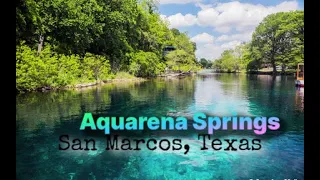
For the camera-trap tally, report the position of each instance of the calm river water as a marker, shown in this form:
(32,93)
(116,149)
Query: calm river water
(43,117)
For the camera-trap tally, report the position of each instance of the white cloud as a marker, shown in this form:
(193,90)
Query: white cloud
(206,17)
(285,6)
(178,1)
(179,20)
(231,15)
(245,37)
(223,29)
(209,51)
(162,16)
(202,38)
(213,51)
(230,45)
(241,16)
(203,6)
(224,18)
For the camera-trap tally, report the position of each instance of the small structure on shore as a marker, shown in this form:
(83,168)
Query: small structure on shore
(300,75)
(168,49)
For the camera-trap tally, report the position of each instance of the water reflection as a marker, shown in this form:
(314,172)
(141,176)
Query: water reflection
(43,117)
(300,98)
(221,95)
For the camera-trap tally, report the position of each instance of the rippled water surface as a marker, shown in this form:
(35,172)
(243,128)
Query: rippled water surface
(43,117)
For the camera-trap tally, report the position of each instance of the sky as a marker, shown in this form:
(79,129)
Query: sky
(217,25)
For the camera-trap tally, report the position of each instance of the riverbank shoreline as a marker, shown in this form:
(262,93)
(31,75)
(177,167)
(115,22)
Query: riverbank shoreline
(289,73)
(108,81)
(85,85)
(279,73)
(116,81)
(139,79)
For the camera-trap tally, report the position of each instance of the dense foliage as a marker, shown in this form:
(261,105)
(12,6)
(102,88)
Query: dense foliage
(234,60)
(66,42)
(205,63)
(277,41)
(49,69)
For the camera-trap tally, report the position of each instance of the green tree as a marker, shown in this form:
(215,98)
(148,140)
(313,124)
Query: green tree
(145,64)
(180,60)
(204,62)
(279,39)
(217,64)
(76,41)
(95,67)
(242,55)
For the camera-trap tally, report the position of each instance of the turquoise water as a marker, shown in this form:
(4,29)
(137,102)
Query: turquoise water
(43,117)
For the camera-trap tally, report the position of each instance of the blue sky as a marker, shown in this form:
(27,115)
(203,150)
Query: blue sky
(217,25)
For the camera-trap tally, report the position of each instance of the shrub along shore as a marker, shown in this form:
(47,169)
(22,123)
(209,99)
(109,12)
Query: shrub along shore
(60,44)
